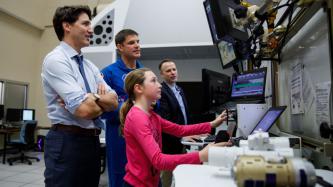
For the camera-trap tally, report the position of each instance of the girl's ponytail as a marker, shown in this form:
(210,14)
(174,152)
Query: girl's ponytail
(134,77)
(127,105)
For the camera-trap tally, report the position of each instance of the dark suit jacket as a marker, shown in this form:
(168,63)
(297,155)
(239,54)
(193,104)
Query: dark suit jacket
(169,109)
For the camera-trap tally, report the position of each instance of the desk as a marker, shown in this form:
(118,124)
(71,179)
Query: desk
(6,133)
(205,175)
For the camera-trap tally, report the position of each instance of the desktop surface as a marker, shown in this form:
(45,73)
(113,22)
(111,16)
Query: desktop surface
(206,175)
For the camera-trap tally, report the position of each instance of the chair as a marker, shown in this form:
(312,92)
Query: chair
(103,157)
(102,151)
(26,141)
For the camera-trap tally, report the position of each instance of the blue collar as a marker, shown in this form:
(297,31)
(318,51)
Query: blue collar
(122,65)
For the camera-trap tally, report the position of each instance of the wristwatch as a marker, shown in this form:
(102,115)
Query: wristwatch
(97,97)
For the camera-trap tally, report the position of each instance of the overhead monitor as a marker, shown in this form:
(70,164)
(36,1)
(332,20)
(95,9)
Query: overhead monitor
(13,115)
(227,53)
(222,20)
(28,114)
(212,18)
(216,88)
(249,85)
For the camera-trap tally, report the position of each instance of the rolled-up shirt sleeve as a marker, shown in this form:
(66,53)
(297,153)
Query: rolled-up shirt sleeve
(59,75)
(99,79)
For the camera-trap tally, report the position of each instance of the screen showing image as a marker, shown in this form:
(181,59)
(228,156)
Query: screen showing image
(249,84)
(28,115)
(227,52)
(268,120)
(236,24)
(211,21)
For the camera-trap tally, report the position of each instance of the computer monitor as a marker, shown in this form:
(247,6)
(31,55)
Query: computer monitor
(216,89)
(222,20)
(193,93)
(2,111)
(211,18)
(28,114)
(269,119)
(13,115)
(249,85)
(227,53)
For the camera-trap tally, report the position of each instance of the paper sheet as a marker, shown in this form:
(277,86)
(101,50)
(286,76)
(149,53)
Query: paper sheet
(322,102)
(297,102)
(308,91)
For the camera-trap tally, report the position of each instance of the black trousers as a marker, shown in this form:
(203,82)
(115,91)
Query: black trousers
(71,160)
(127,185)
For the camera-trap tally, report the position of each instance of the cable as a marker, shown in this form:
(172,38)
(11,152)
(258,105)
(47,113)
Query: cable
(291,7)
(281,6)
(324,183)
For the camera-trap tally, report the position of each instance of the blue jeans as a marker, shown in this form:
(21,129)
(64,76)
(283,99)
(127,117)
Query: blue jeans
(71,160)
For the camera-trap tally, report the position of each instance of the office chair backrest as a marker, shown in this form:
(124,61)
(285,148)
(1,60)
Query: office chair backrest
(27,134)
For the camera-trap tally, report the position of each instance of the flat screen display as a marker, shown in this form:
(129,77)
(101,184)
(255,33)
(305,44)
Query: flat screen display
(250,84)
(14,115)
(211,21)
(269,119)
(227,53)
(28,114)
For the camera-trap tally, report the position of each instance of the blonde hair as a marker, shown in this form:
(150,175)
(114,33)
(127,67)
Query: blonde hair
(134,77)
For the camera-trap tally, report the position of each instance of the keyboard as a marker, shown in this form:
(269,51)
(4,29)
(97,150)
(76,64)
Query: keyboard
(230,105)
(210,138)
(197,140)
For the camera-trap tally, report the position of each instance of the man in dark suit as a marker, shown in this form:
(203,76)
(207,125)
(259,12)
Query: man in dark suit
(173,107)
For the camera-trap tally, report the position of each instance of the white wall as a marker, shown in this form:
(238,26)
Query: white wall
(25,11)
(19,54)
(52,5)
(169,22)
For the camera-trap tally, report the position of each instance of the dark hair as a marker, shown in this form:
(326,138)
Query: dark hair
(164,61)
(68,14)
(121,35)
(134,77)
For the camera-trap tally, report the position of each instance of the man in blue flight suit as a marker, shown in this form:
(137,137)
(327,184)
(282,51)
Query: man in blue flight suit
(127,42)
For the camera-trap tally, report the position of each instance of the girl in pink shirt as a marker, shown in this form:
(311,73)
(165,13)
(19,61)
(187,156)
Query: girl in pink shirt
(142,129)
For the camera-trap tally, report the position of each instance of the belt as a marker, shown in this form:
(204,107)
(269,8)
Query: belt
(75,130)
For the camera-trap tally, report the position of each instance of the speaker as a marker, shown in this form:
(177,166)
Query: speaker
(103,31)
